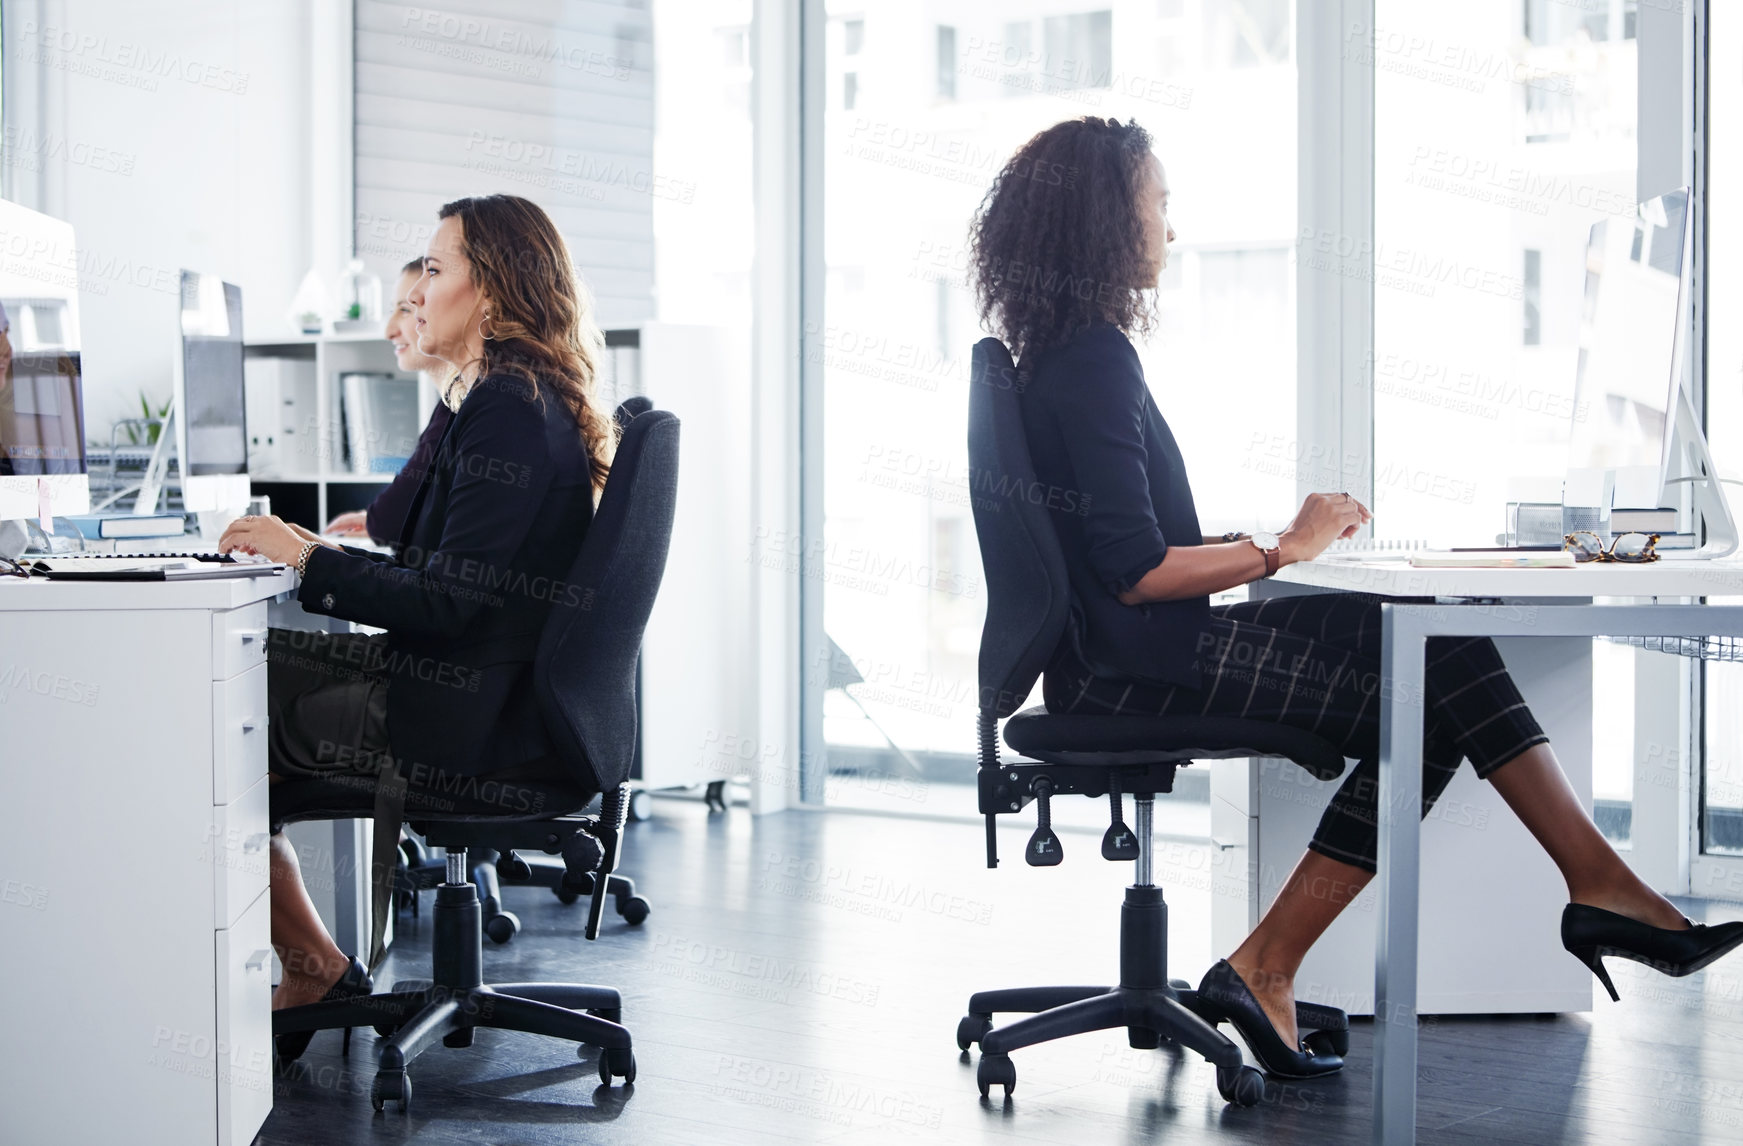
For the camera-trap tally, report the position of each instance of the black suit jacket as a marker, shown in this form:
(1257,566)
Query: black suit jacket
(1117,486)
(491,535)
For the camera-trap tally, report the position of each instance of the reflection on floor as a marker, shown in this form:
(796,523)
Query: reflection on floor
(801,978)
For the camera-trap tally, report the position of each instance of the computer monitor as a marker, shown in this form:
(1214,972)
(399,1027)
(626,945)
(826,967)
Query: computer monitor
(210,425)
(42,415)
(1635,420)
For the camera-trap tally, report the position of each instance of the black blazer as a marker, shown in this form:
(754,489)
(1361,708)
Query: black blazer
(491,535)
(1117,486)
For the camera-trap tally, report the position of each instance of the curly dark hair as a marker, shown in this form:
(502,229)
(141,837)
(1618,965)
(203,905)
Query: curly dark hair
(1058,243)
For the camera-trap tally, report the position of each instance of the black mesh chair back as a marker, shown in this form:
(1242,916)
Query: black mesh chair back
(584,674)
(630,408)
(1028,595)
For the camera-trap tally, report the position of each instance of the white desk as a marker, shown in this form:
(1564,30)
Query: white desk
(133,860)
(1405,631)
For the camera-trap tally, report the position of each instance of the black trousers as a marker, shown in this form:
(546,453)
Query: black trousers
(1313,662)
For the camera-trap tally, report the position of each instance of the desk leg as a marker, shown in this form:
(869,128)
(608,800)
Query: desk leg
(1402,674)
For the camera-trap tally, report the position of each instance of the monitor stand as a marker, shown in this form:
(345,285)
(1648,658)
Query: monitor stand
(1712,515)
(151,485)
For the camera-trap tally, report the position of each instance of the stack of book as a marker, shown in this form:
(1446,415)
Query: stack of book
(1662,521)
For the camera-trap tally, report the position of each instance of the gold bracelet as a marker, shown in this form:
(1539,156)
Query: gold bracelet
(303,557)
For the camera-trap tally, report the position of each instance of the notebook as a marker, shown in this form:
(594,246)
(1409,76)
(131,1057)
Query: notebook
(1493,559)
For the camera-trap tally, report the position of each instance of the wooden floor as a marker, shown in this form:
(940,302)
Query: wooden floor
(801,978)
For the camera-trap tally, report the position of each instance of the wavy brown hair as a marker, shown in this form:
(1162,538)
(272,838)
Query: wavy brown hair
(1058,243)
(541,315)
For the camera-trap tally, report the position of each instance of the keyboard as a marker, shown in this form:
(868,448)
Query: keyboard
(146,566)
(202,555)
(1371,549)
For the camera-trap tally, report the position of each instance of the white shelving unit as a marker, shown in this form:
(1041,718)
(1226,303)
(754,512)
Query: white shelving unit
(304,442)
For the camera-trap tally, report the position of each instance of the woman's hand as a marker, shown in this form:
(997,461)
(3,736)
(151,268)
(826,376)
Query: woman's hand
(270,537)
(1324,517)
(357,521)
(315,537)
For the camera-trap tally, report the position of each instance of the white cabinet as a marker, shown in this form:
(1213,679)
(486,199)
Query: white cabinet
(698,703)
(133,862)
(1491,898)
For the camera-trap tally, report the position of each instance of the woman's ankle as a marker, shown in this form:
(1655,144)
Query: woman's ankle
(1263,971)
(1631,898)
(324,968)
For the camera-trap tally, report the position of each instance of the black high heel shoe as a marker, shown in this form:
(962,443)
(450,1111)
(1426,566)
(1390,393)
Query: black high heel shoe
(1590,933)
(1224,997)
(355,982)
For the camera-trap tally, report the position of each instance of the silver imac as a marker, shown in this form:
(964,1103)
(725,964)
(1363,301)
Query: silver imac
(42,410)
(210,425)
(1636,431)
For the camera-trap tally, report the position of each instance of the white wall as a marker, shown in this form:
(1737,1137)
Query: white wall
(170,133)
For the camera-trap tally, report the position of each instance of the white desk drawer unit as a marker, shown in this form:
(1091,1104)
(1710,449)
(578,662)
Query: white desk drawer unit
(152,712)
(241,867)
(238,852)
(243,1054)
(238,640)
(238,733)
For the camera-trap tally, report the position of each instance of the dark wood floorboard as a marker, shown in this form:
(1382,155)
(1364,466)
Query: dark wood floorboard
(801,977)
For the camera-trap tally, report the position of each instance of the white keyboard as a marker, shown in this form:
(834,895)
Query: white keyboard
(1372,549)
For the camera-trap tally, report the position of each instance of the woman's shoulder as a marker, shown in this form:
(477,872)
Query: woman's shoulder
(501,386)
(1098,357)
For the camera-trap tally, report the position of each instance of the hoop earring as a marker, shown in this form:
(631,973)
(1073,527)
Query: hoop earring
(485,337)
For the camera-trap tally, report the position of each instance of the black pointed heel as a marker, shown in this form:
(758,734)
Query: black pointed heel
(355,982)
(1224,997)
(1590,933)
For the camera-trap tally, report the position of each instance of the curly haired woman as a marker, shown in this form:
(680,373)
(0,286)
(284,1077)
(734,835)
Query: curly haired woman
(1066,251)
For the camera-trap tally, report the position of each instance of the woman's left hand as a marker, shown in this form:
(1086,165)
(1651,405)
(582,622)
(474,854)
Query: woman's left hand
(268,536)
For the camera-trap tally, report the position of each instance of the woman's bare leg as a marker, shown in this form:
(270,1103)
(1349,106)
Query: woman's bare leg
(312,961)
(1535,787)
(1315,893)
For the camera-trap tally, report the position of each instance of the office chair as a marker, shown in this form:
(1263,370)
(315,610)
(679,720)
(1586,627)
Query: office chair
(584,681)
(494,862)
(1028,606)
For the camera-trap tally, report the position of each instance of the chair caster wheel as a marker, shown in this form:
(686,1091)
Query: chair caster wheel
(390,1085)
(970,1029)
(1328,1042)
(996,1070)
(1241,1086)
(565,896)
(502,927)
(609,1014)
(641,806)
(619,1061)
(635,909)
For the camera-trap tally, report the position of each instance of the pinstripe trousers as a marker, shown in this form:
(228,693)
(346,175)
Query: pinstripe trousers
(1313,662)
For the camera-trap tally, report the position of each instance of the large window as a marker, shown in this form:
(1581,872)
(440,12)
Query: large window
(1503,130)
(1722,805)
(942,94)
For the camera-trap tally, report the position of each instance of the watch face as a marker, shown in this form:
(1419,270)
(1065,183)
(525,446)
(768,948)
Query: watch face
(1265,540)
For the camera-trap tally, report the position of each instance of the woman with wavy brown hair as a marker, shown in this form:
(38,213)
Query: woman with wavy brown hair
(1067,247)
(445,694)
